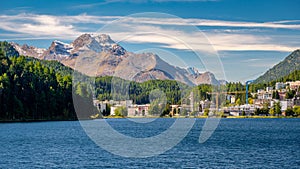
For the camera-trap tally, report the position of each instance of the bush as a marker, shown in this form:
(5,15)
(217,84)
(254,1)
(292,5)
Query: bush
(297,110)
(121,111)
(206,112)
(289,112)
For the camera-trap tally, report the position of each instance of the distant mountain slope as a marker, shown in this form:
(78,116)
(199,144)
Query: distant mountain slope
(8,49)
(26,50)
(284,68)
(99,53)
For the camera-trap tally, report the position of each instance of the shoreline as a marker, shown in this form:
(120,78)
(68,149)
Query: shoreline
(32,120)
(120,117)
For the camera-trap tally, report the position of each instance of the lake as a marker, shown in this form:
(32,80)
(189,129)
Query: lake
(236,143)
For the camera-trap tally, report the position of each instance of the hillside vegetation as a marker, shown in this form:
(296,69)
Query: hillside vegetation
(33,89)
(284,68)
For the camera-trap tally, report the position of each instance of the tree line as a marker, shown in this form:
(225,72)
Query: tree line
(32,90)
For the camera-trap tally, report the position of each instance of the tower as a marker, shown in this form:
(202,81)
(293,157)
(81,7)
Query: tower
(247,86)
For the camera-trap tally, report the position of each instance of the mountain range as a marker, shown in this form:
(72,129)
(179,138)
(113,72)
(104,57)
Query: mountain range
(99,55)
(283,68)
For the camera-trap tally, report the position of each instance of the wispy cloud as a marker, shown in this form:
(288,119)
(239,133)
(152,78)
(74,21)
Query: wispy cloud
(153,30)
(105,2)
(220,42)
(216,23)
(197,40)
(26,26)
(252,60)
(19,9)
(37,25)
(184,0)
(247,42)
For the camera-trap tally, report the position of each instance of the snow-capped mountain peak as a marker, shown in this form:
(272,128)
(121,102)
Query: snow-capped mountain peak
(60,43)
(109,58)
(97,43)
(58,51)
(28,50)
(103,39)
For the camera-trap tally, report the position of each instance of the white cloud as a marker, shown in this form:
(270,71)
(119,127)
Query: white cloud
(216,23)
(49,26)
(30,25)
(207,41)
(247,42)
(153,30)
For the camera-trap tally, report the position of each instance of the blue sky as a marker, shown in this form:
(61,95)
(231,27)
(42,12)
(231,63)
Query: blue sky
(249,36)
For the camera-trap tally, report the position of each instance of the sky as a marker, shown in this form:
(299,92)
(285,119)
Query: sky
(246,38)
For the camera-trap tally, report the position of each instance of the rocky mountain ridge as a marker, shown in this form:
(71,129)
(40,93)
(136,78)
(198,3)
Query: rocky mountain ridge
(99,55)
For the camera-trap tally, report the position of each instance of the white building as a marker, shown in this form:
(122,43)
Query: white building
(294,85)
(206,104)
(100,105)
(279,85)
(132,111)
(232,99)
(143,109)
(265,95)
(112,110)
(286,104)
(269,89)
(125,103)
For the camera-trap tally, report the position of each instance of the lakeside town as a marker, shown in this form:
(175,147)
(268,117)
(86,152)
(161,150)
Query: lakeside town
(283,99)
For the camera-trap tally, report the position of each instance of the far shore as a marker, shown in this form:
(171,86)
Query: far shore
(34,120)
(204,117)
(121,117)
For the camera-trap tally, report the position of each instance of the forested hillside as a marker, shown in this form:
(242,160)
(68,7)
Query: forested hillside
(31,90)
(284,68)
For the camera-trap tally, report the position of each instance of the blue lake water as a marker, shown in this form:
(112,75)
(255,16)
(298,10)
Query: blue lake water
(237,143)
